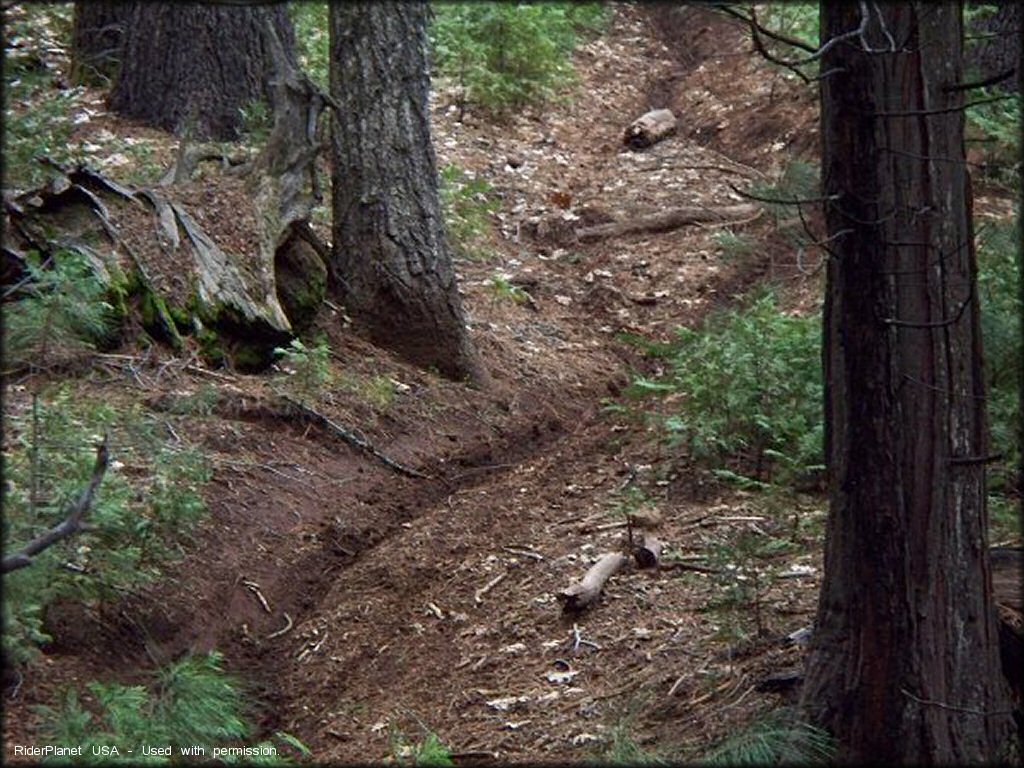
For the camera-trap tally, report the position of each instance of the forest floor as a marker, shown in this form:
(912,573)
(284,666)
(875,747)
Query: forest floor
(421,605)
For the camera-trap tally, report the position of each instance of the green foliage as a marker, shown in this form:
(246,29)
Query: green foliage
(502,289)
(307,369)
(624,750)
(147,502)
(312,38)
(995,125)
(733,245)
(799,20)
(63,310)
(747,393)
(467,205)
(777,739)
(256,120)
(508,56)
(36,111)
(1001,311)
(192,702)
(429,751)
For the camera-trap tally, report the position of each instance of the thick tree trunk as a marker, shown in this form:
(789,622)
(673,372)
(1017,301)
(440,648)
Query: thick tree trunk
(190,67)
(390,257)
(97,38)
(904,666)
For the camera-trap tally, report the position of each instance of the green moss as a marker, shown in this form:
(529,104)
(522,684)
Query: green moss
(210,347)
(182,317)
(251,356)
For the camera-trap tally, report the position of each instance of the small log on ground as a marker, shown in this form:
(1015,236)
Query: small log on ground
(647,551)
(650,128)
(581,594)
(665,221)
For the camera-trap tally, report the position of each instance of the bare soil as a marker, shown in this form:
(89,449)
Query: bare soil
(430,603)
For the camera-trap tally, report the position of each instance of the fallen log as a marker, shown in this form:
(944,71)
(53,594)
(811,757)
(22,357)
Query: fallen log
(650,128)
(647,551)
(584,592)
(665,221)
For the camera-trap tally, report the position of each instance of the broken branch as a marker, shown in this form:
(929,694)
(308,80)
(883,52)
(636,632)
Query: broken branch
(665,221)
(581,594)
(71,523)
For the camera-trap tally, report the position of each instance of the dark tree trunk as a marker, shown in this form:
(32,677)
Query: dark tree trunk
(904,666)
(190,67)
(390,259)
(97,38)
(994,44)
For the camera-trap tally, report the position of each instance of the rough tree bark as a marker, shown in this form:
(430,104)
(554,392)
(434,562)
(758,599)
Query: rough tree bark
(190,67)
(904,666)
(390,260)
(97,36)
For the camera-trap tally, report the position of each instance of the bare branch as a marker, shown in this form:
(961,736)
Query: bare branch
(795,42)
(784,200)
(993,80)
(944,111)
(71,523)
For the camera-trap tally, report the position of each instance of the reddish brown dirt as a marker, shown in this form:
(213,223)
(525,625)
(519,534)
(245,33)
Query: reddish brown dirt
(430,603)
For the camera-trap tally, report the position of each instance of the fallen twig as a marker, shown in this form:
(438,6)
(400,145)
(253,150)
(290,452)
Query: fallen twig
(254,587)
(478,596)
(287,628)
(351,438)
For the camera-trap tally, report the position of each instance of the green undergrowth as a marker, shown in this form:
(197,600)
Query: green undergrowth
(506,56)
(189,704)
(777,738)
(742,393)
(467,205)
(144,508)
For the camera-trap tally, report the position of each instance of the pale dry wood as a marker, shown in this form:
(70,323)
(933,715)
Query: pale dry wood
(665,221)
(584,592)
(650,128)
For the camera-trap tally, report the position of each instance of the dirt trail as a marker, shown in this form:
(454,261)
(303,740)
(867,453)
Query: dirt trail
(404,603)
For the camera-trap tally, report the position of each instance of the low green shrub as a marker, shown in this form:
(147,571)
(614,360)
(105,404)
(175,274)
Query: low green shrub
(145,506)
(746,393)
(190,703)
(467,206)
(62,310)
(775,739)
(508,56)
(1001,310)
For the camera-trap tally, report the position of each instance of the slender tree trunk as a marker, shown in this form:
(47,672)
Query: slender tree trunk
(97,38)
(190,67)
(390,257)
(904,667)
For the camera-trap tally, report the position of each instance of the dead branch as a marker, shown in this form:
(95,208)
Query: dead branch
(72,521)
(665,221)
(578,596)
(351,438)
